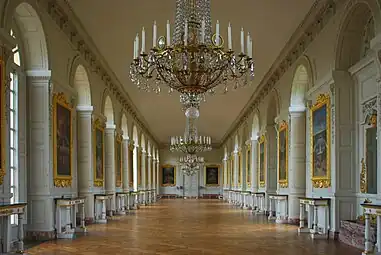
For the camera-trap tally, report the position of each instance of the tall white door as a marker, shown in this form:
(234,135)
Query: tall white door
(191,185)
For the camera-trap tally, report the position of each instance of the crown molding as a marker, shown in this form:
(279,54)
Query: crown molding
(314,22)
(62,14)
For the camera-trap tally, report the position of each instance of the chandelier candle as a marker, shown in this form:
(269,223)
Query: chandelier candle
(194,60)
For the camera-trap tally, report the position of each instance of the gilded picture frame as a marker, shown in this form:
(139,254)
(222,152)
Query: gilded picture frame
(131,164)
(262,161)
(62,141)
(282,154)
(320,143)
(168,175)
(98,153)
(248,166)
(3,124)
(212,175)
(118,160)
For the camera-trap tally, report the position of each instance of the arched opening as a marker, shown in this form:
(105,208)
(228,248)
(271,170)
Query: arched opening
(255,127)
(108,111)
(124,127)
(299,87)
(82,86)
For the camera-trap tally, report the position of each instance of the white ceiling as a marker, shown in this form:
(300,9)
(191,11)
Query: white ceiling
(113,24)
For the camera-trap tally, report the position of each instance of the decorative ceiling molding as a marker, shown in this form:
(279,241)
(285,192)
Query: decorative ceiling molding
(65,18)
(317,18)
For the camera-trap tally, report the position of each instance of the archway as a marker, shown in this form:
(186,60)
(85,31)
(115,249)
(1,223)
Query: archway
(82,86)
(108,110)
(124,127)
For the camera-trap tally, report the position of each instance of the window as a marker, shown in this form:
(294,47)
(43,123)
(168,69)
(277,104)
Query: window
(13,129)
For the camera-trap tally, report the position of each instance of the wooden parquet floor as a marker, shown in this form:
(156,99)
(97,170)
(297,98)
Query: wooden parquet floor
(192,227)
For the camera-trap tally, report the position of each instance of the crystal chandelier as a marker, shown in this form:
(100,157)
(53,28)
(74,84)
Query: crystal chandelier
(190,164)
(196,60)
(191,142)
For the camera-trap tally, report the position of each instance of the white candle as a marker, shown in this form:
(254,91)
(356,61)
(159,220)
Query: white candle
(203,31)
(248,44)
(242,41)
(168,34)
(154,34)
(218,33)
(251,48)
(230,37)
(186,33)
(143,40)
(137,45)
(135,49)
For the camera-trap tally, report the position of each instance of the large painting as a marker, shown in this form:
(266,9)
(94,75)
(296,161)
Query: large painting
(131,165)
(62,141)
(98,131)
(212,175)
(2,121)
(320,142)
(262,162)
(248,166)
(118,159)
(283,155)
(168,175)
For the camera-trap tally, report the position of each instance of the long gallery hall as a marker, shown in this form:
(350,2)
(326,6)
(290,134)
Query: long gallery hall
(190,127)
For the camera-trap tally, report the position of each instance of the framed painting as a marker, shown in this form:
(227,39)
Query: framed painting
(168,176)
(118,160)
(248,166)
(320,142)
(62,141)
(98,153)
(262,161)
(211,176)
(2,121)
(283,155)
(239,168)
(131,164)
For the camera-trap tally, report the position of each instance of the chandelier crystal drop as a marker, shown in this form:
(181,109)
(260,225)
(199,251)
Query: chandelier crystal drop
(196,60)
(191,164)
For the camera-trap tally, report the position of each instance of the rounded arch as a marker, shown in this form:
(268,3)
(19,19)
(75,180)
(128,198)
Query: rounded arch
(149,147)
(255,126)
(108,110)
(135,136)
(82,85)
(143,142)
(236,142)
(272,108)
(361,17)
(32,34)
(226,152)
(124,126)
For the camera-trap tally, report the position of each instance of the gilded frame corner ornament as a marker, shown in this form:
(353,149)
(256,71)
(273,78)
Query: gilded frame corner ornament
(283,127)
(218,175)
(174,175)
(3,91)
(321,181)
(62,181)
(363,177)
(98,125)
(248,165)
(262,140)
(118,142)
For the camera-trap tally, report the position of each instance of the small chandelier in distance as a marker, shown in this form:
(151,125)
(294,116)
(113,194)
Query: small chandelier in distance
(195,62)
(190,164)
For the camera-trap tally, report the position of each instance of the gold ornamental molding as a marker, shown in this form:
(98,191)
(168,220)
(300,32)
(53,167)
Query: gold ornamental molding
(318,17)
(363,177)
(62,14)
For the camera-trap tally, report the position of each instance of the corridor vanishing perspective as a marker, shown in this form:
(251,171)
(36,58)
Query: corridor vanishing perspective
(190,227)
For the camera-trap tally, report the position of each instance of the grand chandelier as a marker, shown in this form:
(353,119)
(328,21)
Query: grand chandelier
(191,142)
(195,60)
(191,164)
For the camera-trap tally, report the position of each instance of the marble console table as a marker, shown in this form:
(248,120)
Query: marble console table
(6,210)
(121,202)
(374,210)
(280,207)
(66,217)
(246,195)
(258,200)
(317,226)
(100,207)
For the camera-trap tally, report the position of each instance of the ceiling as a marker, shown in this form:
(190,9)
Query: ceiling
(113,25)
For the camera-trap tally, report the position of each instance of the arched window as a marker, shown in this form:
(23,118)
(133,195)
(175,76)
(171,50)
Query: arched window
(13,127)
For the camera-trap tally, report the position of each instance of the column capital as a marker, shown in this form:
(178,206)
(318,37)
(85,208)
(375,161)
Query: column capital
(297,110)
(40,75)
(110,126)
(85,108)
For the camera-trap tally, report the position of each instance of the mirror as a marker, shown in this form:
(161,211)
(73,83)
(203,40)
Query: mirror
(371,159)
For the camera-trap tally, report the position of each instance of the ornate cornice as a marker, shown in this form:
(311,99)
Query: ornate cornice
(62,14)
(317,18)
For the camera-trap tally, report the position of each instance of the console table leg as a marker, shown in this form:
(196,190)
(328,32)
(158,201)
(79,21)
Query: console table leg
(20,230)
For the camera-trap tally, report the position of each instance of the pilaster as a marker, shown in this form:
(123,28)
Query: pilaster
(110,164)
(225,178)
(235,156)
(143,170)
(125,160)
(85,158)
(149,172)
(297,160)
(158,172)
(135,167)
(254,164)
(40,202)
